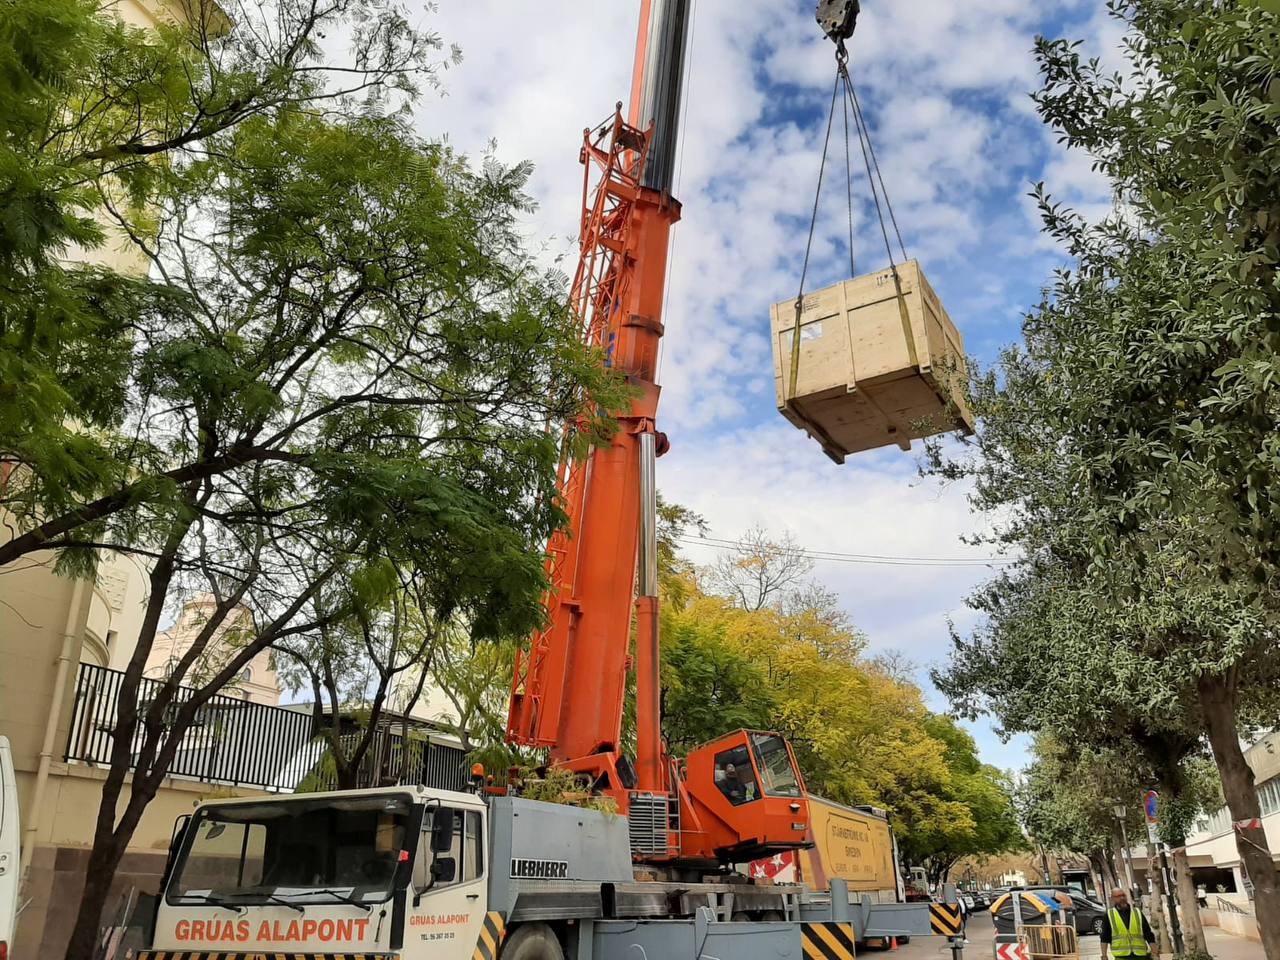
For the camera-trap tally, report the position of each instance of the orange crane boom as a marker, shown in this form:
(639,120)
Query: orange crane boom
(570,684)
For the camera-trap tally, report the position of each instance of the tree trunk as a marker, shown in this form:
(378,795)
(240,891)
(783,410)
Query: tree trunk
(1101,863)
(1109,875)
(1218,706)
(110,842)
(1192,928)
(1123,879)
(1158,909)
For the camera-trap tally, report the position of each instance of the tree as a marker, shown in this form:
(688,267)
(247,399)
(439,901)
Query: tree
(981,821)
(1129,448)
(770,650)
(1066,799)
(344,358)
(758,571)
(93,113)
(476,680)
(1052,659)
(369,654)
(710,684)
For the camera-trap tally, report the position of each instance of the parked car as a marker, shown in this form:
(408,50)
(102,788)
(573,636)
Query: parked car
(1091,916)
(1087,914)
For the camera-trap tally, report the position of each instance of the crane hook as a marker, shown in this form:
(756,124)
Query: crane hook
(838,18)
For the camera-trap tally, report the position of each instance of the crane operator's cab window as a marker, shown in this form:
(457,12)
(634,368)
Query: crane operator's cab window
(451,849)
(735,777)
(776,769)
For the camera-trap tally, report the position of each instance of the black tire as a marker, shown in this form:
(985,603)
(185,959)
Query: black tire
(532,941)
(772,916)
(1098,926)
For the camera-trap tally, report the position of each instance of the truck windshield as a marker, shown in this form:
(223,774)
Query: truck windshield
(302,851)
(777,773)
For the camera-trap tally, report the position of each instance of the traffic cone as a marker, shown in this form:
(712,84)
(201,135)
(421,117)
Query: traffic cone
(893,944)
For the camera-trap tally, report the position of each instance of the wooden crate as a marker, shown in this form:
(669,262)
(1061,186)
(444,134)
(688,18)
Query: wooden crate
(880,363)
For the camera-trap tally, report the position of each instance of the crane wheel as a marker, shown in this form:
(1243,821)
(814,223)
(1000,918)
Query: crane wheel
(533,941)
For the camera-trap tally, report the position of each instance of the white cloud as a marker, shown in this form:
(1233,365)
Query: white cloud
(874,505)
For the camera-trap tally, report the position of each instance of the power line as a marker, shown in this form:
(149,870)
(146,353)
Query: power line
(827,556)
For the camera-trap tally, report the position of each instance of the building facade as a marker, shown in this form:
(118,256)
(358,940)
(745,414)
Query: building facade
(256,682)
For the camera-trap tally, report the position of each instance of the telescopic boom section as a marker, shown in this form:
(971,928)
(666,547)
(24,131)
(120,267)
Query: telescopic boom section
(740,797)
(570,685)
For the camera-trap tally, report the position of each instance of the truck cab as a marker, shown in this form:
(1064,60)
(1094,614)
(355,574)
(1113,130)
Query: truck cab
(400,870)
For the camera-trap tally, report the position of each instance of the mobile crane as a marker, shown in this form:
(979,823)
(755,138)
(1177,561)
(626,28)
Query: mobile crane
(570,684)
(425,874)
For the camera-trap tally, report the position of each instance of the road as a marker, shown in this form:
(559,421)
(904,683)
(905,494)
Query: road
(981,934)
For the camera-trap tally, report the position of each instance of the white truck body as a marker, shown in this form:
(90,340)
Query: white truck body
(419,874)
(10,838)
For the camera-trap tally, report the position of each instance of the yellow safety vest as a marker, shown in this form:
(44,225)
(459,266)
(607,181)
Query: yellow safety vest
(1130,942)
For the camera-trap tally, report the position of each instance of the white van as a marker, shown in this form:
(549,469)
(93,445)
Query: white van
(9,834)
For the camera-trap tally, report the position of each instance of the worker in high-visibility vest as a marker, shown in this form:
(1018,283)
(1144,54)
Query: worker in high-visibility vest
(1126,931)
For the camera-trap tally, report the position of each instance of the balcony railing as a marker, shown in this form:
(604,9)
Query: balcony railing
(239,743)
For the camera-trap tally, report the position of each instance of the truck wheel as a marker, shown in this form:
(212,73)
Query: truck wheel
(1097,926)
(533,941)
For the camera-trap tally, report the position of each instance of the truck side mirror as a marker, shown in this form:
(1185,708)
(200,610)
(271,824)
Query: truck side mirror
(442,832)
(444,870)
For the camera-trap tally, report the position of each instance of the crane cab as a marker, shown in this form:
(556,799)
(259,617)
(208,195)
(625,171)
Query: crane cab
(748,798)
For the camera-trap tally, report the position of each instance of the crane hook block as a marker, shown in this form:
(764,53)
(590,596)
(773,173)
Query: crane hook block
(838,18)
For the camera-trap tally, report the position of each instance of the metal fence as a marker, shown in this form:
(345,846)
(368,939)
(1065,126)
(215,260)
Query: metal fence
(389,761)
(239,743)
(231,741)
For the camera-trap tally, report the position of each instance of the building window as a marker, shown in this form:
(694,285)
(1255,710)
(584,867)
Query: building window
(111,641)
(1269,796)
(246,675)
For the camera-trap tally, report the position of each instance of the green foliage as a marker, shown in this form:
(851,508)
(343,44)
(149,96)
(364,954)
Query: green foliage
(314,350)
(1068,794)
(975,814)
(553,785)
(710,683)
(1127,455)
(778,653)
(95,115)
(1128,450)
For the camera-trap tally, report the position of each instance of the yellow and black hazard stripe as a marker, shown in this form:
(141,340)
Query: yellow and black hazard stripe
(827,941)
(492,933)
(256,955)
(945,918)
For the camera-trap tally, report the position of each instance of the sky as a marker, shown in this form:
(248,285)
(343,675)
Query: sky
(946,88)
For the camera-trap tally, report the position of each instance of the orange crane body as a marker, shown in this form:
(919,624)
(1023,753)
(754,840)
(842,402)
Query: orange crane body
(741,796)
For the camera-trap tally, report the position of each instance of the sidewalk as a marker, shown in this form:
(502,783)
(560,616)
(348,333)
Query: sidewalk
(1223,946)
(1226,947)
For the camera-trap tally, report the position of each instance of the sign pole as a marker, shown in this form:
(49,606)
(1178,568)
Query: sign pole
(1128,860)
(1151,807)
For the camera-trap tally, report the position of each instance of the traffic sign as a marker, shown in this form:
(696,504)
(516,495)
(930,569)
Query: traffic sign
(1149,806)
(945,919)
(1011,951)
